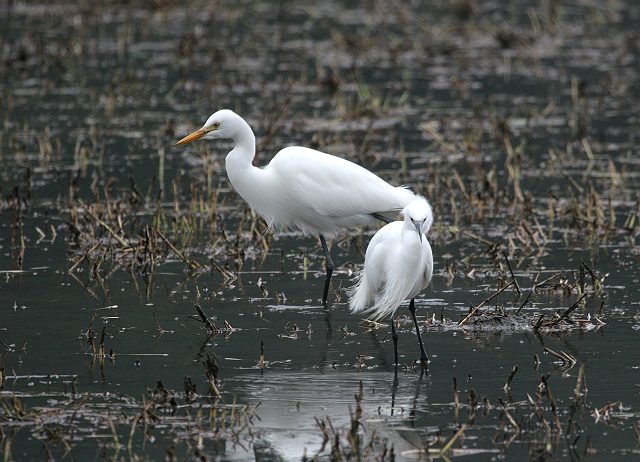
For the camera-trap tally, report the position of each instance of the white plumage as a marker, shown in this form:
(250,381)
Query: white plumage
(398,266)
(302,188)
(320,193)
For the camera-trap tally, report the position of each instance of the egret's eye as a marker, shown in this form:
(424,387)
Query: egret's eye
(216,126)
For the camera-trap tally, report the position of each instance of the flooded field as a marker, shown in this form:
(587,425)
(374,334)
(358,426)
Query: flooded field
(147,314)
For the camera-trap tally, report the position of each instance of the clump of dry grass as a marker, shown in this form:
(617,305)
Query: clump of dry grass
(125,425)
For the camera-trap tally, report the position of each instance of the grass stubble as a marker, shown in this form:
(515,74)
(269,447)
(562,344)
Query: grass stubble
(492,226)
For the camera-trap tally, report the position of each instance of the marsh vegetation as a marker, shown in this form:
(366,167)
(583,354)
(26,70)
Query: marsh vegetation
(146,313)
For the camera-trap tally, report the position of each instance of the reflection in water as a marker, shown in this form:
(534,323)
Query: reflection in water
(290,402)
(518,122)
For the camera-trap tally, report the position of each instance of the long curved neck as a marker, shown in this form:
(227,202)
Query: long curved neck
(244,177)
(239,161)
(245,146)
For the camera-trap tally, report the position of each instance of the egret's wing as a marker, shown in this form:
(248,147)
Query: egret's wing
(335,187)
(376,261)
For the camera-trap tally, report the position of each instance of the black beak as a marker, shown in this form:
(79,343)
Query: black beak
(418,229)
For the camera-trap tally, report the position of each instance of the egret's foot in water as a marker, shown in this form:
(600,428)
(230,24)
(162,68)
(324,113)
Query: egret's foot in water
(327,285)
(329,263)
(394,337)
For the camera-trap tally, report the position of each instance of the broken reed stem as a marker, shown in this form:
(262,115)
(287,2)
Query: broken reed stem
(453,439)
(460,182)
(161,156)
(160,329)
(636,428)
(84,257)
(564,357)
(122,242)
(261,360)
(478,238)
(211,372)
(210,326)
(507,385)
(541,283)
(580,384)
(192,263)
(481,304)
(513,277)
(114,434)
(526,300)
(533,289)
(552,401)
(569,310)
(509,416)
(456,398)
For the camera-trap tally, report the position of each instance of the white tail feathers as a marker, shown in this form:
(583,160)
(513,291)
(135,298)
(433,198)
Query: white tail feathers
(387,301)
(360,295)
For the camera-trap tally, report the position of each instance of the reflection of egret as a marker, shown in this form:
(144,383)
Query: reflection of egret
(315,192)
(292,403)
(398,265)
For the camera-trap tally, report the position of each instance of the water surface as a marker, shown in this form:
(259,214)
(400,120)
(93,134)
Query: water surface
(518,120)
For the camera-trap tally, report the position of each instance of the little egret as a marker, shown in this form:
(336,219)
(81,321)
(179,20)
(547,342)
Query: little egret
(302,188)
(398,265)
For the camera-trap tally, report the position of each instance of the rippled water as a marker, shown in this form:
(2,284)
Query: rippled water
(90,96)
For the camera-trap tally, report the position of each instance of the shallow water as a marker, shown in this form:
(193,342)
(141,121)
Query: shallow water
(91,94)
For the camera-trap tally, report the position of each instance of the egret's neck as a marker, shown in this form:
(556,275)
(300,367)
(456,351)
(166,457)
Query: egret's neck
(245,147)
(244,177)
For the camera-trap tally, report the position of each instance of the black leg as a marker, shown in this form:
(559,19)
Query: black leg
(379,216)
(329,263)
(394,337)
(424,359)
(394,389)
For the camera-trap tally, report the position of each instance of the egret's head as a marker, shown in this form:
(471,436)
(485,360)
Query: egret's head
(224,124)
(419,214)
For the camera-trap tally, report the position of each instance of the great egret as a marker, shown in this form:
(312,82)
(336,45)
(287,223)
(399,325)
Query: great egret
(302,188)
(398,266)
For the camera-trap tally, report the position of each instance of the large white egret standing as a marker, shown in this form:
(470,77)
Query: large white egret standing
(302,188)
(398,266)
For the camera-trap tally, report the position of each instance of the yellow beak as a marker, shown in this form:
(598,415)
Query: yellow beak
(199,133)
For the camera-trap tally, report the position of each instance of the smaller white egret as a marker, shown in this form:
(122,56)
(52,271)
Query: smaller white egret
(398,266)
(302,188)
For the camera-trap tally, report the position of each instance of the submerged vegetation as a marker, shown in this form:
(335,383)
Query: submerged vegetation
(128,263)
